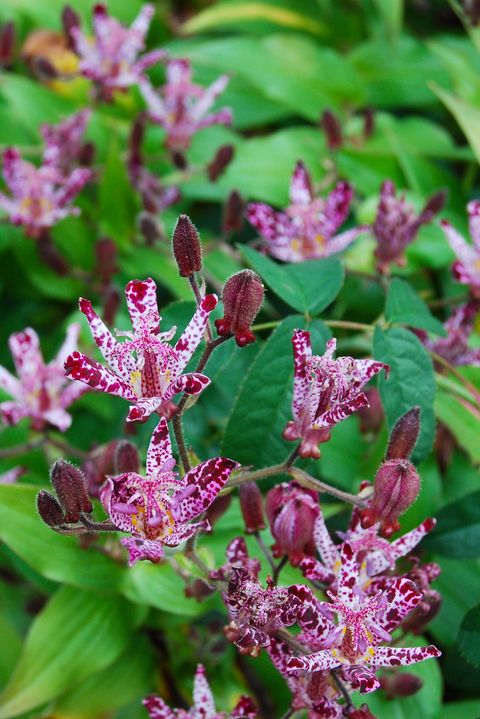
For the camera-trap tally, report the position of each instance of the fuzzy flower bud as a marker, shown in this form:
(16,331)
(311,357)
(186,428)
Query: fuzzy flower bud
(368,123)
(125,458)
(149,227)
(332,129)
(362,712)
(404,435)
(70,485)
(186,247)
(291,511)
(400,684)
(49,509)
(70,20)
(242,298)
(233,212)
(396,487)
(222,159)
(7,44)
(251,504)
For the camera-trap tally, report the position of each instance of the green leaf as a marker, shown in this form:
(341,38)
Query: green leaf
(75,635)
(461,710)
(391,12)
(469,636)
(406,307)
(467,116)
(308,287)
(262,408)
(411,381)
(116,199)
(457,533)
(462,420)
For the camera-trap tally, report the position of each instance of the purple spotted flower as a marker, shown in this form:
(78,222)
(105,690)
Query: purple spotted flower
(353,643)
(112,58)
(156,510)
(203,704)
(64,143)
(325,391)
(454,347)
(397,224)
(40,392)
(466,269)
(39,196)
(181,107)
(153,376)
(306,229)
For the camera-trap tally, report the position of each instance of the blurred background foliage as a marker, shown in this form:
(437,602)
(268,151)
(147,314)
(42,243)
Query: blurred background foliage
(82,636)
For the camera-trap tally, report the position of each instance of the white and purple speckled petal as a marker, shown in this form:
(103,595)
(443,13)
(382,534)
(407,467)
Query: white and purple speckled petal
(302,357)
(142,301)
(402,596)
(327,549)
(80,367)
(402,656)
(193,333)
(143,549)
(402,546)
(339,242)
(182,532)
(317,662)
(191,383)
(204,704)
(301,186)
(347,581)
(157,709)
(10,384)
(208,97)
(340,412)
(201,486)
(159,449)
(473,209)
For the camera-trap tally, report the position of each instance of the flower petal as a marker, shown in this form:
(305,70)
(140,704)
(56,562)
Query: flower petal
(139,549)
(318,662)
(193,333)
(402,596)
(202,695)
(26,353)
(302,356)
(201,485)
(79,366)
(122,364)
(159,449)
(402,656)
(191,383)
(9,383)
(157,709)
(142,302)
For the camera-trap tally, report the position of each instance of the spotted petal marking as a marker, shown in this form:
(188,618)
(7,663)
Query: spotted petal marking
(139,548)
(402,596)
(193,333)
(26,353)
(202,695)
(201,486)
(142,302)
(302,357)
(80,367)
(402,656)
(160,448)
(122,365)
(157,709)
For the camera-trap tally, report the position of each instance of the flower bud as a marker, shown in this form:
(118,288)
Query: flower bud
(434,205)
(251,504)
(179,159)
(400,684)
(86,154)
(233,212)
(50,255)
(149,227)
(125,458)
(70,20)
(106,253)
(186,247)
(404,435)
(70,485)
(111,303)
(291,512)
(332,129)
(242,298)
(368,123)
(222,159)
(7,43)
(362,712)
(49,509)
(396,487)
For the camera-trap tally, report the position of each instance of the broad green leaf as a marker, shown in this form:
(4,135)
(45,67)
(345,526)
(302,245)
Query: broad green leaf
(462,419)
(467,116)
(411,381)
(76,634)
(391,12)
(457,533)
(262,407)
(48,14)
(469,636)
(404,306)
(116,198)
(149,262)
(459,586)
(461,710)
(231,13)
(308,287)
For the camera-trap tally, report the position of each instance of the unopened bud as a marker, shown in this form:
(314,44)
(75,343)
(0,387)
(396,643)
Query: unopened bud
(242,299)
(70,485)
(186,247)
(50,255)
(222,159)
(70,20)
(251,504)
(149,227)
(125,458)
(49,509)
(433,205)
(86,154)
(396,487)
(44,69)
(7,43)
(332,129)
(291,512)
(233,212)
(368,123)
(404,435)
(400,684)
(179,159)
(111,303)
(136,138)
(106,252)
(362,712)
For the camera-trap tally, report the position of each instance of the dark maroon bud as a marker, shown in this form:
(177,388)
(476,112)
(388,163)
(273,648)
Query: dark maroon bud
(186,247)
(179,159)
(251,504)
(218,508)
(433,206)
(362,712)
(49,509)
(404,435)
(44,69)
(86,154)
(222,159)
(149,227)
(396,487)
(400,684)
(242,299)
(7,43)
(70,20)
(136,138)
(199,589)
(50,255)
(332,129)
(106,252)
(371,417)
(368,123)
(71,487)
(112,298)
(233,212)
(126,458)
(292,511)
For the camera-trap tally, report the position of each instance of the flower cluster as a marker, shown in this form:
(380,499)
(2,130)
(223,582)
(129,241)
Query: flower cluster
(454,347)
(306,229)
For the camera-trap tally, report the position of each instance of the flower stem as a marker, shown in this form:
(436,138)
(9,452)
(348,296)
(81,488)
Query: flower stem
(266,552)
(341,688)
(67,448)
(306,480)
(468,385)
(22,448)
(198,296)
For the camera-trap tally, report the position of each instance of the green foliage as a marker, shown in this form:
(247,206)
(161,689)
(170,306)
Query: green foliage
(405,307)
(469,636)
(458,530)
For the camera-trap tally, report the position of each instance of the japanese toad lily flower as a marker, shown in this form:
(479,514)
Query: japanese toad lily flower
(325,391)
(454,347)
(39,196)
(40,392)
(112,58)
(64,143)
(181,107)
(153,376)
(306,229)
(203,704)
(467,267)
(364,622)
(156,509)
